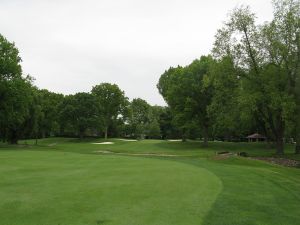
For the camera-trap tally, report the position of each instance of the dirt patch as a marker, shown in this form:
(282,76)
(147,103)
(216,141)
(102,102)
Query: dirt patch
(279,161)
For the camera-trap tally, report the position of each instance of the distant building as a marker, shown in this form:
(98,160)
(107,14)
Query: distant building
(256,137)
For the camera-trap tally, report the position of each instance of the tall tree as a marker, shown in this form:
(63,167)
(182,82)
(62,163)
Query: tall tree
(282,41)
(264,76)
(49,103)
(15,92)
(225,108)
(139,117)
(188,93)
(81,111)
(111,102)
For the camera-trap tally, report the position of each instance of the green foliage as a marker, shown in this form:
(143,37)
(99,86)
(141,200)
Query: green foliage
(111,103)
(81,112)
(10,60)
(15,93)
(143,119)
(188,92)
(266,58)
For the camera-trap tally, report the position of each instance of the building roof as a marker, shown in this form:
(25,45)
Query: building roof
(256,136)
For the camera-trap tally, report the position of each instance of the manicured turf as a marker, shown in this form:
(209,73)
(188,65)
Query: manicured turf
(67,182)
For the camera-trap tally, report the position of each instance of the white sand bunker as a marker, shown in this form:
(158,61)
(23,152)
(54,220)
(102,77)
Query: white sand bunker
(135,154)
(103,143)
(52,144)
(175,140)
(126,140)
(104,151)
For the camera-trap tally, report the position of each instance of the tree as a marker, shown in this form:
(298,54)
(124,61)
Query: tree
(188,93)
(49,103)
(167,126)
(81,111)
(153,129)
(153,125)
(111,103)
(15,92)
(139,116)
(264,77)
(225,109)
(282,43)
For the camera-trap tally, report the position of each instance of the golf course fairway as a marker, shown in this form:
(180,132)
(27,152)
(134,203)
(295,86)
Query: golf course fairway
(54,188)
(65,181)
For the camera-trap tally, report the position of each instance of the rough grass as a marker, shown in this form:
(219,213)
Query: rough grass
(52,184)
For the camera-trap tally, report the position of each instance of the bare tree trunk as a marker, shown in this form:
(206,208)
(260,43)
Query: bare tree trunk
(81,135)
(105,132)
(205,135)
(183,136)
(279,146)
(297,148)
(14,138)
(43,133)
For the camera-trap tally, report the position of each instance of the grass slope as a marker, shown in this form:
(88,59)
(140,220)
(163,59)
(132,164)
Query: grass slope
(49,184)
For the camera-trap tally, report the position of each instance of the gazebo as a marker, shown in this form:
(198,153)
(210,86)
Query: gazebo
(256,137)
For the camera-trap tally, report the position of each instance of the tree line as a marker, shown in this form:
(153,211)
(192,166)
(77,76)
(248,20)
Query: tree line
(249,83)
(29,112)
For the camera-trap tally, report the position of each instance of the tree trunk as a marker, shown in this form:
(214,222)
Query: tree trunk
(43,133)
(297,148)
(279,146)
(205,136)
(297,151)
(13,137)
(105,132)
(80,135)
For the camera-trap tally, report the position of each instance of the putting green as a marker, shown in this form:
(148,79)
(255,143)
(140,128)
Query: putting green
(57,188)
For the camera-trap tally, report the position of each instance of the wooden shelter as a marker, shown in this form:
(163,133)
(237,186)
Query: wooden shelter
(256,137)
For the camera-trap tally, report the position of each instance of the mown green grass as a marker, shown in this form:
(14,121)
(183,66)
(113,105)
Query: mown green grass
(65,188)
(190,148)
(52,184)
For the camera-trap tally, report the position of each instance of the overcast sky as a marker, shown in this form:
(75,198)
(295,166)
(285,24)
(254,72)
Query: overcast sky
(71,45)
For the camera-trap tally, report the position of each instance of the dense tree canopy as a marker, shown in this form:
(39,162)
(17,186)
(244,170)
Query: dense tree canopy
(188,93)
(267,59)
(15,93)
(111,102)
(249,84)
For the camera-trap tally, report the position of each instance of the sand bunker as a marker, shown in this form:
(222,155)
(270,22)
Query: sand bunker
(135,154)
(53,144)
(175,140)
(103,151)
(103,143)
(126,140)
